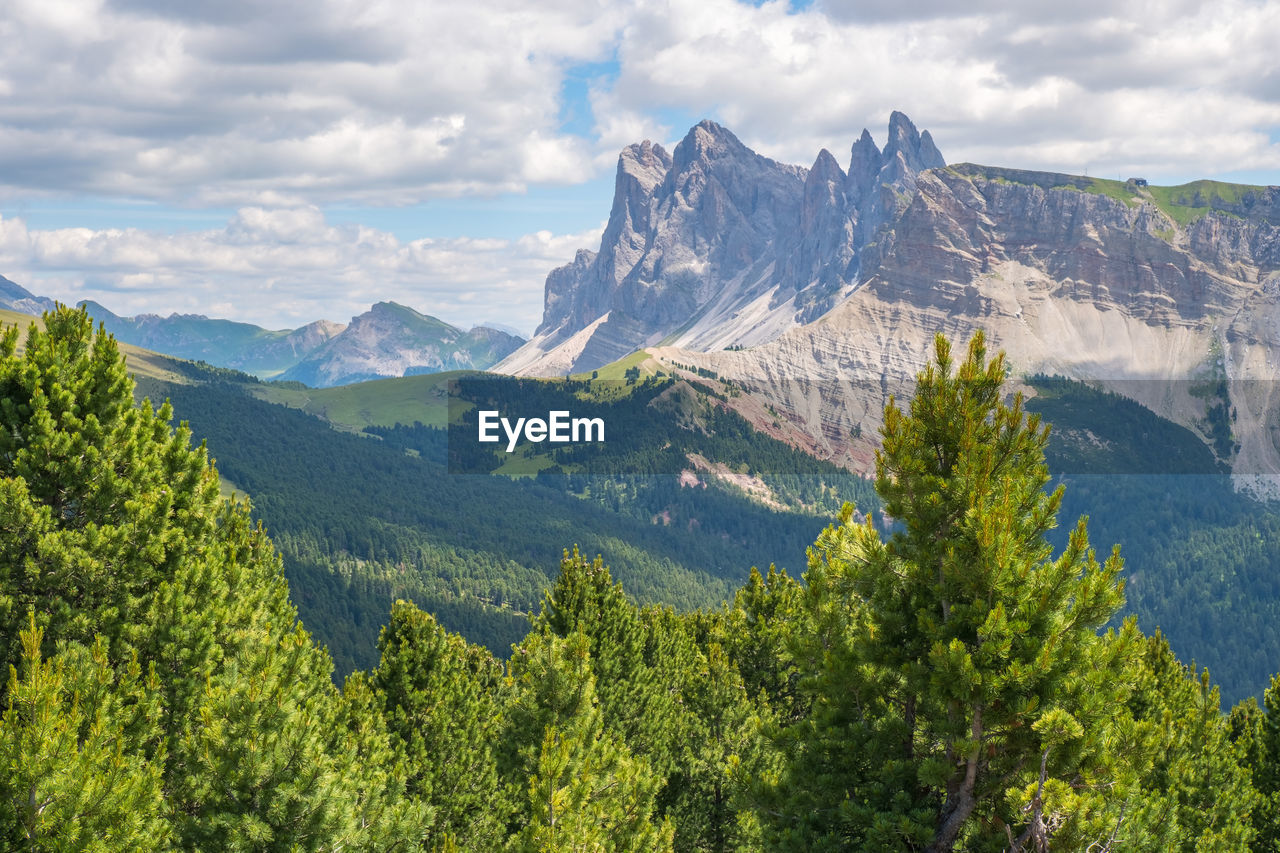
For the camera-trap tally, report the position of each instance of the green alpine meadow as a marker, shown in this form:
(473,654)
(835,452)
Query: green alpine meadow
(954,668)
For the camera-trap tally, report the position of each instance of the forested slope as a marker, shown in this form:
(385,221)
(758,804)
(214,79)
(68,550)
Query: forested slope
(361,520)
(948,685)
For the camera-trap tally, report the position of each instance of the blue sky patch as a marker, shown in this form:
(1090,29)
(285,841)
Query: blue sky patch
(576,116)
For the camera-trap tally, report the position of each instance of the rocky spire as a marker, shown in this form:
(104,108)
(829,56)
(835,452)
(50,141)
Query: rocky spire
(864,164)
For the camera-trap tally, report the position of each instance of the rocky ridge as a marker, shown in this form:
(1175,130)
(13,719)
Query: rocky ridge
(1067,281)
(821,289)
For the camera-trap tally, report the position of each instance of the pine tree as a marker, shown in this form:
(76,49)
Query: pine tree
(441,699)
(584,789)
(1256,733)
(638,665)
(68,780)
(103,499)
(1195,787)
(962,694)
(724,749)
(113,535)
(767,613)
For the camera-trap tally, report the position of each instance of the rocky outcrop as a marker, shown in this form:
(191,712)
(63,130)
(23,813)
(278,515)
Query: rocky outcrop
(305,340)
(715,246)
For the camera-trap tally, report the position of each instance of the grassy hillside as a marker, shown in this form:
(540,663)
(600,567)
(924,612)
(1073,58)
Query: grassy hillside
(382,402)
(1184,203)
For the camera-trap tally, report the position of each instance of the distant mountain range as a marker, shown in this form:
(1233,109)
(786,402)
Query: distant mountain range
(392,340)
(14,297)
(388,340)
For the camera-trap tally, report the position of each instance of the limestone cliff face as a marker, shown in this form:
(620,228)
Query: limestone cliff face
(1097,281)
(714,245)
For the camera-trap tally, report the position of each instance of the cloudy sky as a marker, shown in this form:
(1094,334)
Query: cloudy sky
(283,161)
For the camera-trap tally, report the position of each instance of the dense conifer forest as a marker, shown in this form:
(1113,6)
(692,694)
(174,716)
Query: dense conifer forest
(361,521)
(957,682)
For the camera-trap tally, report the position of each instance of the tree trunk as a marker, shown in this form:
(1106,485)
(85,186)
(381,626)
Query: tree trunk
(960,805)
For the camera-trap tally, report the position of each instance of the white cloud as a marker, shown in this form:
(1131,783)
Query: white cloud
(284,107)
(393,102)
(285,267)
(1175,88)
(326,100)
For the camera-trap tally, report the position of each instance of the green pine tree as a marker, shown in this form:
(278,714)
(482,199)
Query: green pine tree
(724,749)
(113,535)
(104,500)
(639,666)
(767,614)
(1256,733)
(961,693)
(1196,792)
(584,789)
(442,702)
(68,780)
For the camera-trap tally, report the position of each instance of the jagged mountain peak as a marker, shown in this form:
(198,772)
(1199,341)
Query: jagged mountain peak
(918,148)
(825,168)
(641,158)
(864,165)
(711,147)
(718,245)
(706,140)
(930,156)
(903,134)
(907,153)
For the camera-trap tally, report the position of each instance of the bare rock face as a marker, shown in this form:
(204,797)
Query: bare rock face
(1069,277)
(303,340)
(579,293)
(715,246)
